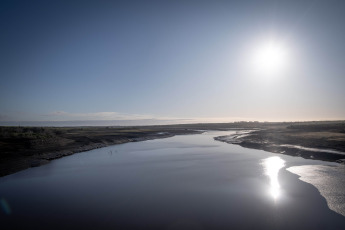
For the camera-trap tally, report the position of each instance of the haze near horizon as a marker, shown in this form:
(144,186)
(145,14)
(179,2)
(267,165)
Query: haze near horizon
(166,62)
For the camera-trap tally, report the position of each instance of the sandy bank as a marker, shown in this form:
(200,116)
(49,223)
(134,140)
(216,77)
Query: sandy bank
(320,143)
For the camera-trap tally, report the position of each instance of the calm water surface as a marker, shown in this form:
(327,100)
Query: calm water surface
(183,182)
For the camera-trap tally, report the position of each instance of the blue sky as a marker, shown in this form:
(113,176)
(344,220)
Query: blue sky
(168,60)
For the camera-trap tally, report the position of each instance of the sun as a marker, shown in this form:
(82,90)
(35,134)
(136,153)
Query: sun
(270,58)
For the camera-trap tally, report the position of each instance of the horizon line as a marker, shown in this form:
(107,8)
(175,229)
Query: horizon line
(127,123)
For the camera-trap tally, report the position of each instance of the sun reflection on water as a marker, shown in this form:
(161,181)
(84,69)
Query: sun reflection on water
(272,165)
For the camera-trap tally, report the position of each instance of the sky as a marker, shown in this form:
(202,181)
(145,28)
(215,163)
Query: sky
(145,62)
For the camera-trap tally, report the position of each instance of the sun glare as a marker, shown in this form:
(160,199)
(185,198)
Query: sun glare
(272,166)
(270,58)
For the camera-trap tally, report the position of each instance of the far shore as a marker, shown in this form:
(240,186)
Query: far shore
(319,141)
(25,147)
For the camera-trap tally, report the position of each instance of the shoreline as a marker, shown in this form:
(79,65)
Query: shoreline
(249,139)
(26,147)
(39,158)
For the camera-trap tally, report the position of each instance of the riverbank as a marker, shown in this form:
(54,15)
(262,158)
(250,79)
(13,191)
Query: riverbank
(318,141)
(25,147)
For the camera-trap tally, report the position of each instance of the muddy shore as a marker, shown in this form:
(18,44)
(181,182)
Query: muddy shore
(311,141)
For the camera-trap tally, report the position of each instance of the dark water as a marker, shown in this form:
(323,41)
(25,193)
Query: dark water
(184,182)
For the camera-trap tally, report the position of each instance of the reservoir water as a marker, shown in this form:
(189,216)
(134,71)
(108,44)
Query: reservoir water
(182,182)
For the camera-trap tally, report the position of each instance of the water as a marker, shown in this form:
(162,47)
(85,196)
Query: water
(329,180)
(314,149)
(183,182)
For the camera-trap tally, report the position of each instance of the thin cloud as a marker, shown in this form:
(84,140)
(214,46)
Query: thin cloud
(60,118)
(56,113)
(108,116)
(62,115)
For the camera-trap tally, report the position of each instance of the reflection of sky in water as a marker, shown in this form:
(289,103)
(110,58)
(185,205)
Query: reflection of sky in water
(272,165)
(329,180)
